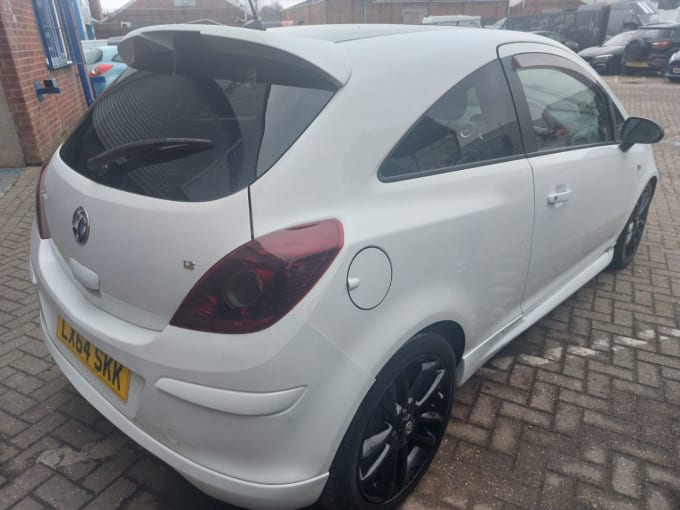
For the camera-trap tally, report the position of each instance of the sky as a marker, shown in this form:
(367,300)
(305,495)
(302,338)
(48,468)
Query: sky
(110,5)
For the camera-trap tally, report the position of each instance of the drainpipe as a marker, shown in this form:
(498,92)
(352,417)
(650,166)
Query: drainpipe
(75,50)
(364,6)
(79,20)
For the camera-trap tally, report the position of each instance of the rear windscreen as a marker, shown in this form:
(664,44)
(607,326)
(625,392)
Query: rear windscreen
(651,33)
(189,138)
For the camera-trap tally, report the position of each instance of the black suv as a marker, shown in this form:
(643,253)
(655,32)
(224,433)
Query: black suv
(651,47)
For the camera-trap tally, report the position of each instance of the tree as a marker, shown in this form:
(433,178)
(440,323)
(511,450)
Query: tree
(272,12)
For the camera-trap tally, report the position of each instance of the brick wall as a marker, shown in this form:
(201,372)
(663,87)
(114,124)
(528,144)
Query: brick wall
(41,126)
(541,6)
(352,11)
(96,9)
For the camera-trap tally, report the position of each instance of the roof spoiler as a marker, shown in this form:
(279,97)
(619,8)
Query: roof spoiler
(224,52)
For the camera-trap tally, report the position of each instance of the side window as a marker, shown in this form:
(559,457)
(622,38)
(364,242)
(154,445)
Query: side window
(472,124)
(566,108)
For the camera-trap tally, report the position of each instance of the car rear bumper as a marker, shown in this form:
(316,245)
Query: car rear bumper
(240,492)
(673,70)
(654,63)
(253,420)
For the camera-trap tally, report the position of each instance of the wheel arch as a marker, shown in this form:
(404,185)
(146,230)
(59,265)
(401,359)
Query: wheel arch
(453,333)
(653,182)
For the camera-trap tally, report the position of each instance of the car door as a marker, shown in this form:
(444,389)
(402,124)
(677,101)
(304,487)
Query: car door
(582,180)
(463,172)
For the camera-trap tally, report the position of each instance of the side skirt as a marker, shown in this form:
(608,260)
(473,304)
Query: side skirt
(476,358)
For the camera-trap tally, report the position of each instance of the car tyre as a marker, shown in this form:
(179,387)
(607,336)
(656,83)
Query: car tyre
(397,429)
(629,239)
(617,66)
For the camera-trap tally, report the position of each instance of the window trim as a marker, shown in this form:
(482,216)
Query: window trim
(548,60)
(447,169)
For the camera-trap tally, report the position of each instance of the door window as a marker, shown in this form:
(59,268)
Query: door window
(567,109)
(474,123)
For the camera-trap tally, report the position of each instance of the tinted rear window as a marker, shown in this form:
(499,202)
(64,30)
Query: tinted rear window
(246,125)
(650,33)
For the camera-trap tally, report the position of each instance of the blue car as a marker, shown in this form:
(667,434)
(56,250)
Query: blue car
(104,65)
(673,69)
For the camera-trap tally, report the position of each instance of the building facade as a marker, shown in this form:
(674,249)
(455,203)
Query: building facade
(386,11)
(34,48)
(142,13)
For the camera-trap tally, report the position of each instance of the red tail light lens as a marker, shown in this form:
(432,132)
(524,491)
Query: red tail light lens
(661,45)
(100,69)
(261,281)
(43,230)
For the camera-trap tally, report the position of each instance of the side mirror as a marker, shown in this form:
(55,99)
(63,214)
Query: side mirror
(639,130)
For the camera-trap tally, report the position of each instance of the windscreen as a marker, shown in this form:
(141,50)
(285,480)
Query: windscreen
(189,138)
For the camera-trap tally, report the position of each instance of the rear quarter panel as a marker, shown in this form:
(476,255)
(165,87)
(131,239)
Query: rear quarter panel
(331,172)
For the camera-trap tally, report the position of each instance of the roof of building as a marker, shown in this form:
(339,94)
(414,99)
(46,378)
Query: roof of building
(130,3)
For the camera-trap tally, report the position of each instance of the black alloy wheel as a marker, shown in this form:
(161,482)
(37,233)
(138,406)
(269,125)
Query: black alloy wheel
(629,239)
(397,429)
(404,430)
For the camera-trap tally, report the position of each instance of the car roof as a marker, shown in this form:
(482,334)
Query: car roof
(349,32)
(382,33)
(328,48)
(660,25)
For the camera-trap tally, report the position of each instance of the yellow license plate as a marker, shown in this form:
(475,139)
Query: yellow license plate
(111,372)
(637,64)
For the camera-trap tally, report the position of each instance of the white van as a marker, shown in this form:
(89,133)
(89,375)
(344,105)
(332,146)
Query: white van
(458,20)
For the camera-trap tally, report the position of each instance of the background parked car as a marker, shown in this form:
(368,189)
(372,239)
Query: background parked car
(673,70)
(606,59)
(104,65)
(458,20)
(572,45)
(651,48)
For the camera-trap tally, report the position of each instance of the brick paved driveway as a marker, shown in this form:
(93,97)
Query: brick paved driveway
(582,411)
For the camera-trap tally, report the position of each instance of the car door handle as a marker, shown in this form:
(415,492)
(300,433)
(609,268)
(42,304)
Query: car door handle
(559,197)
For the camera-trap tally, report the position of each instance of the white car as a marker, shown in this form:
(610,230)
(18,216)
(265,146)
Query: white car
(270,257)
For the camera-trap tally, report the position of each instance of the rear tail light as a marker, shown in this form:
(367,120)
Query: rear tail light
(100,69)
(661,45)
(261,281)
(43,230)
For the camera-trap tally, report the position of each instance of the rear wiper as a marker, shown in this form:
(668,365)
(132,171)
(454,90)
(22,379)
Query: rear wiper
(153,150)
